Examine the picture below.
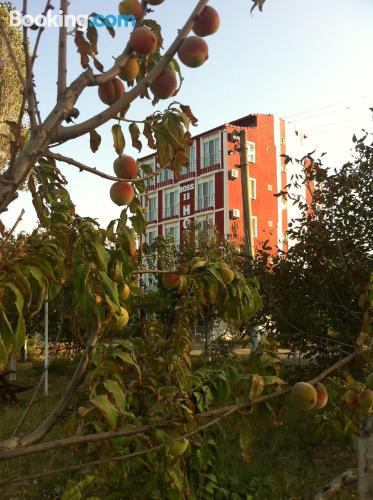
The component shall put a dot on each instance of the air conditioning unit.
(234, 213)
(269, 187)
(233, 174)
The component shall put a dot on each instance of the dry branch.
(345, 479)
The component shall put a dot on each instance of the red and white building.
(210, 188)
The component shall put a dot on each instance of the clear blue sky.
(296, 56)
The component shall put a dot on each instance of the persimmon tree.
(142, 408)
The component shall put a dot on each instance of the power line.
(347, 108)
(328, 106)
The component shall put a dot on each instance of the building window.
(253, 188)
(254, 221)
(171, 232)
(151, 214)
(211, 151)
(270, 223)
(206, 224)
(205, 194)
(282, 141)
(251, 152)
(165, 175)
(269, 187)
(149, 183)
(171, 203)
(192, 161)
(283, 167)
(151, 235)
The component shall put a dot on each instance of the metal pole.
(46, 345)
(246, 196)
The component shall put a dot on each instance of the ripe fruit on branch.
(119, 321)
(171, 280)
(130, 70)
(125, 167)
(143, 41)
(322, 395)
(155, 2)
(124, 292)
(365, 398)
(130, 7)
(111, 91)
(165, 85)
(122, 193)
(193, 52)
(304, 395)
(351, 398)
(226, 273)
(207, 23)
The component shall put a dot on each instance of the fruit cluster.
(193, 52)
(361, 401)
(122, 192)
(307, 397)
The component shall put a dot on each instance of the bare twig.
(48, 6)
(345, 479)
(12, 230)
(86, 168)
(62, 52)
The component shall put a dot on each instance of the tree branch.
(48, 6)
(14, 452)
(5, 241)
(86, 168)
(336, 485)
(67, 133)
(62, 52)
(43, 429)
(119, 458)
(40, 139)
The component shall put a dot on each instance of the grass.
(287, 462)
(29, 373)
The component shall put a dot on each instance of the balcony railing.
(171, 211)
(211, 161)
(206, 202)
(189, 171)
(151, 215)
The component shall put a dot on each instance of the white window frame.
(251, 151)
(205, 218)
(176, 227)
(192, 161)
(205, 180)
(253, 188)
(177, 204)
(209, 138)
(149, 182)
(165, 175)
(254, 220)
(148, 213)
(148, 232)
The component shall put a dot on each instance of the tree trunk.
(366, 460)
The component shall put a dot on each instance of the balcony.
(211, 162)
(205, 203)
(171, 211)
(151, 216)
(188, 172)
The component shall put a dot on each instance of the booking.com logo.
(81, 22)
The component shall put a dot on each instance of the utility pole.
(246, 196)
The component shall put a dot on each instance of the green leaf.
(118, 137)
(102, 255)
(115, 389)
(110, 287)
(246, 439)
(20, 333)
(107, 409)
(128, 359)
